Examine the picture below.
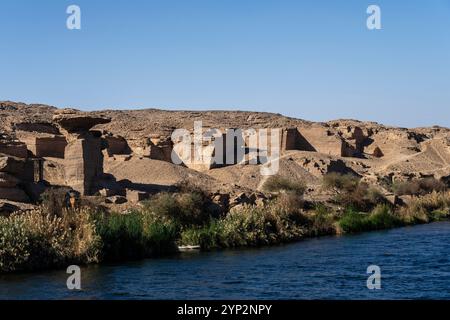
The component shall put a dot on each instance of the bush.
(374, 197)
(430, 207)
(419, 187)
(351, 193)
(380, 218)
(340, 182)
(247, 227)
(353, 221)
(254, 226)
(280, 184)
(189, 186)
(207, 237)
(38, 240)
(429, 185)
(163, 206)
(122, 235)
(287, 203)
(54, 200)
(184, 209)
(14, 244)
(322, 222)
(134, 235)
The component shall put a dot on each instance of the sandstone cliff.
(127, 154)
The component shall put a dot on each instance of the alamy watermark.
(374, 20)
(214, 147)
(73, 21)
(374, 280)
(74, 280)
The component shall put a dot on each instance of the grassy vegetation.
(351, 193)
(418, 187)
(55, 236)
(39, 240)
(134, 235)
(382, 217)
(280, 184)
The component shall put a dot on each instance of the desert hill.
(124, 156)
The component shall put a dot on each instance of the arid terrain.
(122, 157)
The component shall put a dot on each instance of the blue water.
(414, 262)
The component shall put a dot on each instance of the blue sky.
(308, 59)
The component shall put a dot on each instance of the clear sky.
(308, 59)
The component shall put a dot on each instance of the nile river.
(414, 263)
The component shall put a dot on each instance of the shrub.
(353, 221)
(14, 244)
(192, 208)
(279, 184)
(406, 188)
(163, 205)
(429, 185)
(374, 197)
(322, 222)
(430, 207)
(352, 193)
(38, 239)
(419, 187)
(287, 203)
(340, 182)
(382, 217)
(54, 200)
(190, 186)
(207, 237)
(246, 227)
(121, 235)
(184, 209)
(255, 226)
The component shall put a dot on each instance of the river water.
(414, 263)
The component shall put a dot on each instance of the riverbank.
(414, 264)
(48, 238)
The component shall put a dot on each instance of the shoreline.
(105, 248)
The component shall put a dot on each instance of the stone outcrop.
(325, 140)
(45, 145)
(12, 169)
(83, 157)
(12, 147)
(14, 194)
(83, 163)
(8, 181)
(40, 146)
(75, 121)
(116, 145)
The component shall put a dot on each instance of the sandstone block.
(7, 180)
(116, 200)
(136, 196)
(11, 165)
(13, 194)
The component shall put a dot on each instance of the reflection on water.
(414, 261)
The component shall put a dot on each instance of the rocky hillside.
(124, 156)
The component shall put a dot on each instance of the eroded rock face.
(76, 121)
(7, 180)
(45, 145)
(324, 140)
(14, 194)
(11, 165)
(83, 163)
(59, 146)
(12, 147)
